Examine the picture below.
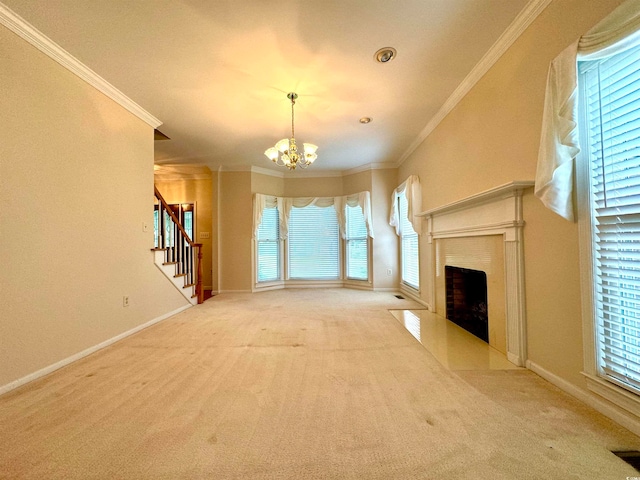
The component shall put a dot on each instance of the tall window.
(269, 246)
(356, 244)
(611, 108)
(314, 241)
(409, 263)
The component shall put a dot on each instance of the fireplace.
(483, 232)
(466, 295)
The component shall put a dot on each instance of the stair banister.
(181, 238)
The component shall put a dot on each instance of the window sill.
(613, 393)
(264, 286)
(409, 289)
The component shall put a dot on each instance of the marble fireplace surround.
(497, 211)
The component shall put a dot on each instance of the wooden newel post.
(199, 290)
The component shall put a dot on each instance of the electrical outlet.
(389, 272)
(125, 301)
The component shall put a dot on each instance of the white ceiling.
(216, 72)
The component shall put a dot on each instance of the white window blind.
(612, 108)
(357, 245)
(269, 246)
(409, 246)
(314, 243)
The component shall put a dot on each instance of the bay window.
(302, 239)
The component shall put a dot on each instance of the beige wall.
(200, 193)
(267, 184)
(236, 218)
(491, 138)
(76, 185)
(313, 187)
(385, 244)
(357, 182)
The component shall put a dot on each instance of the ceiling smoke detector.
(385, 54)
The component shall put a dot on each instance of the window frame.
(403, 282)
(597, 382)
(278, 241)
(346, 242)
(287, 249)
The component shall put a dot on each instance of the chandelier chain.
(293, 102)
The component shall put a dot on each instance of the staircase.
(176, 255)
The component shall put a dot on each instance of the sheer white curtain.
(559, 143)
(285, 204)
(411, 188)
(260, 202)
(362, 200)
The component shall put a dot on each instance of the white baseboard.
(235, 291)
(63, 363)
(267, 288)
(602, 406)
(358, 286)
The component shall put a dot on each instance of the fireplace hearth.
(466, 294)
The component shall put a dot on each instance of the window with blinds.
(356, 244)
(268, 241)
(314, 241)
(409, 265)
(611, 103)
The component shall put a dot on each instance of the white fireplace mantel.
(497, 211)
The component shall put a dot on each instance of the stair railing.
(179, 249)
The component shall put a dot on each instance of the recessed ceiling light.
(365, 120)
(385, 54)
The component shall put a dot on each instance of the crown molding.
(181, 172)
(283, 174)
(369, 167)
(267, 171)
(175, 177)
(314, 174)
(235, 168)
(23, 29)
(528, 14)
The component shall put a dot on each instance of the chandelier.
(285, 153)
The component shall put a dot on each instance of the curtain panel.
(559, 142)
(411, 188)
(285, 204)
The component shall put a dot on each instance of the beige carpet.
(296, 384)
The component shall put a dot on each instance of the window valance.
(559, 142)
(412, 191)
(285, 204)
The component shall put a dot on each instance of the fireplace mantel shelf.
(479, 198)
